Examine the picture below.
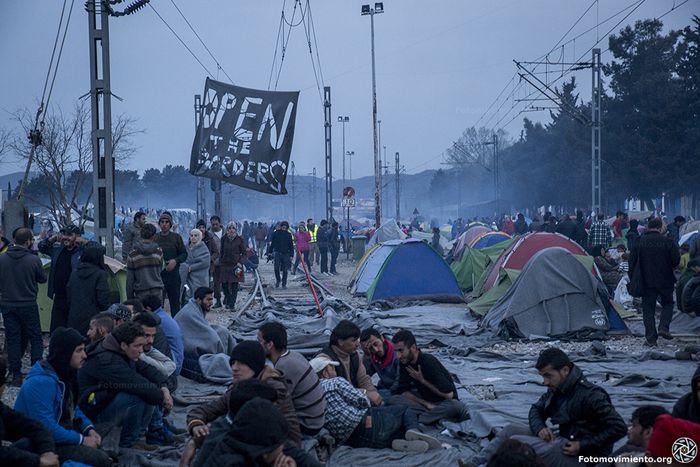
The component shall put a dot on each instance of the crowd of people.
(115, 366)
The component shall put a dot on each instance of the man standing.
(617, 224)
(132, 234)
(655, 258)
(599, 234)
(282, 247)
(567, 227)
(217, 231)
(333, 246)
(65, 250)
(20, 273)
(424, 384)
(174, 254)
(314, 253)
(50, 396)
(260, 236)
(302, 382)
(588, 422)
(322, 242)
(673, 230)
(144, 266)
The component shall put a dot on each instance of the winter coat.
(302, 240)
(88, 294)
(54, 250)
(323, 236)
(632, 239)
(568, 228)
(107, 372)
(214, 238)
(333, 242)
(41, 397)
(281, 243)
(14, 426)
(232, 253)
(213, 244)
(195, 271)
(143, 267)
(655, 256)
(20, 273)
(210, 411)
(688, 406)
(609, 272)
(132, 237)
(690, 298)
(583, 412)
(521, 227)
(260, 233)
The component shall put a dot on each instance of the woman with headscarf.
(195, 270)
(87, 289)
(231, 260)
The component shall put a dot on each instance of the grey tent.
(554, 295)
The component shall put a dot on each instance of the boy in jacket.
(49, 395)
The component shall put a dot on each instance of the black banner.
(245, 136)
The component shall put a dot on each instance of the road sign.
(348, 192)
(348, 202)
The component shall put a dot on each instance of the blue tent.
(411, 270)
(488, 239)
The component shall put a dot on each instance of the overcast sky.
(440, 64)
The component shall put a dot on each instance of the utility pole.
(201, 201)
(344, 120)
(494, 169)
(294, 196)
(596, 187)
(398, 189)
(350, 154)
(329, 151)
(313, 195)
(367, 10)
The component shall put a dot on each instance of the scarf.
(388, 355)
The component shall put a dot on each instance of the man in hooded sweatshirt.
(688, 406)
(50, 395)
(20, 273)
(144, 265)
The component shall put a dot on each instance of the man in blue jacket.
(49, 395)
(65, 250)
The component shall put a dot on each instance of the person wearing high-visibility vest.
(314, 252)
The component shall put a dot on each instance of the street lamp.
(343, 120)
(350, 154)
(367, 10)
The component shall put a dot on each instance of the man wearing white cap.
(351, 420)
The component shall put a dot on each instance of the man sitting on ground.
(342, 348)
(588, 422)
(640, 430)
(351, 420)
(381, 359)
(119, 312)
(100, 325)
(302, 383)
(113, 391)
(247, 362)
(201, 338)
(170, 328)
(15, 426)
(688, 406)
(424, 384)
(49, 394)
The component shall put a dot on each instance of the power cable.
(60, 52)
(209, 73)
(218, 65)
(313, 64)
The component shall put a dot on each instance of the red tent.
(520, 252)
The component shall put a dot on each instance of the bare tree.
(5, 137)
(64, 159)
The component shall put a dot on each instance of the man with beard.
(424, 384)
(132, 234)
(174, 254)
(100, 325)
(65, 251)
(381, 359)
(50, 395)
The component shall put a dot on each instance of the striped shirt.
(305, 389)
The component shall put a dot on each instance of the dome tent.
(487, 239)
(406, 270)
(474, 262)
(567, 303)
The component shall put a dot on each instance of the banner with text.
(245, 136)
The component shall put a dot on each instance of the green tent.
(506, 277)
(474, 262)
(116, 277)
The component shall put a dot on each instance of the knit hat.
(260, 426)
(119, 311)
(167, 216)
(250, 353)
(201, 222)
(667, 440)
